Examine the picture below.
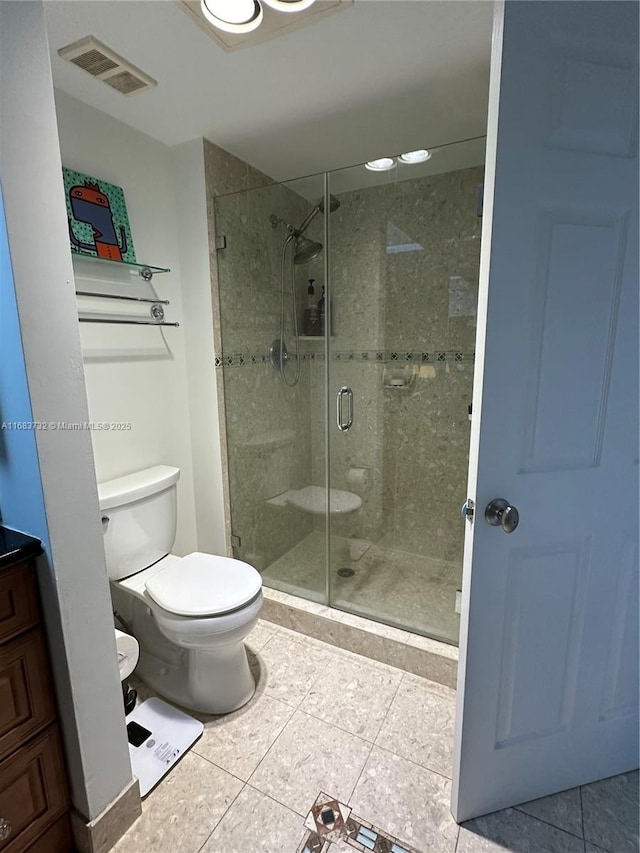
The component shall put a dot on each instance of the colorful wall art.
(98, 220)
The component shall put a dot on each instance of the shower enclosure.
(348, 450)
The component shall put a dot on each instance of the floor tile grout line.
(357, 782)
(222, 816)
(338, 726)
(353, 790)
(393, 699)
(415, 763)
(537, 820)
(584, 836)
(334, 726)
(351, 734)
(218, 767)
(295, 708)
(331, 725)
(546, 822)
(276, 800)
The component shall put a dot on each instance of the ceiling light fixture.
(383, 164)
(233, 16)
(419, 156)
(289, 5)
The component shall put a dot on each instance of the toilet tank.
(138, 519)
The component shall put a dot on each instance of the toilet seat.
(204, 585)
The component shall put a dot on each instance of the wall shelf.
(104, 268)
(117, 273)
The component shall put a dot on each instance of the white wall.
(137, 375)
(72, 576)
(190, 190)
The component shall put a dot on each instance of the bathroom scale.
(159, 735)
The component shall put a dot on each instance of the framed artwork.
(98, 220)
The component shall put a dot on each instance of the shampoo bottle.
(322, 314)
(311, 323)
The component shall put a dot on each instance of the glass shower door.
(272, 370)
(347, 415)
(403, 273)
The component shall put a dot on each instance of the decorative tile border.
(330, 820)
(249, 359)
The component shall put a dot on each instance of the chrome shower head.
(334, 204)
(305, 250)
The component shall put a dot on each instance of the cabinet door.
(33, 792)
(19, 609)
(26, 692)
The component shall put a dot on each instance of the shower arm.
(307, 222)
(295, 232)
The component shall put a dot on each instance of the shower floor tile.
(418, 592)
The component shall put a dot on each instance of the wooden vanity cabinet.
(34, 797)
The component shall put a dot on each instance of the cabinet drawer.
(19, 609)
(33, 792)
(26, 693)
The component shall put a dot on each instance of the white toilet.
(189, 614)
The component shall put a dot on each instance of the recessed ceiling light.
(233, 16)
(383, 164)
(289, 5)
(419, 156)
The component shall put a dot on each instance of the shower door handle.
(344, 424)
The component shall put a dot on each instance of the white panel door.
(548, 676)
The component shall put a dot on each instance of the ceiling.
(381, 77)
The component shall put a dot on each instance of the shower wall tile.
(267, 424)
(413, 439)
(426, 463)
(223, 173)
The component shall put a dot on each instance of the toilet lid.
(204, 585)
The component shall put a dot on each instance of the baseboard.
(102, 833)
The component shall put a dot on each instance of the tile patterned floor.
(374, 737)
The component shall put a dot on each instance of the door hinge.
(221, 242)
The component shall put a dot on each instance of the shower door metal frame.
(327, 393)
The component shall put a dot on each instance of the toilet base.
(217, 682)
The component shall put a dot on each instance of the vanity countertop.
(15, 546)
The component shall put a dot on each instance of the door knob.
(500, 514)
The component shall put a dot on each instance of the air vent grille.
(125, 82)
(94, 62)
(105, 64)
